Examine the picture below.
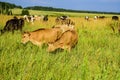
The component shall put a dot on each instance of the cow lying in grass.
(67, 40)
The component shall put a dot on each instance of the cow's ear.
(53, 26)
(29, 34)
(26, 32)
(50, 44)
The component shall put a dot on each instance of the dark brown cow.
(101, 17)
(13, 24)
(45, 18)
(115, 18)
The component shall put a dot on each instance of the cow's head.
(25, 37)
(51, 48)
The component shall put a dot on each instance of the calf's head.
(25, 37)
(51, 48)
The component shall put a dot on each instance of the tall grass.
(95, 57)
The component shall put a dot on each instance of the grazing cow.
(64, 27)
(58, 20)
(13, 24)
(61, 19)
(68, 40)
(101, 17)
(87, 18)
(64, 17)
(115, 18)
(29, 18)
(38, 17)
(43, 35)
(64, 21)
(67, 22)
(45, 18)
(95, 17)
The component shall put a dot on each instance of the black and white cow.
(87, 18)
(29, 18)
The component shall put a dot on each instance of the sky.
(91, 5)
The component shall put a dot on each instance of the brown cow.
(40, 36)
(67, 40)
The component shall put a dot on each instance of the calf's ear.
(29, 34)
(26, 32)
(50, 44)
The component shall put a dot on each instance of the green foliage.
(5, 7)
(96, 57)
(25, 12)
(10, 12)
(9, 5)
(66, 10)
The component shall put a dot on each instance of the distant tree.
(25, 12)
(5, 7)
(10, 12)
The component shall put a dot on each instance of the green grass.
(96, 57)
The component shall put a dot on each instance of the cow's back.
(68, 38)
(46, 35)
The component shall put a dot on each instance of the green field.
(95, 57)
(54, 13)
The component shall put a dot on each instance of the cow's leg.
(113, 29)
(119, 29)
(12, 29)
(20, 29)
(68, 48)
(2, 31)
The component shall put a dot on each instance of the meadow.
(95, 57)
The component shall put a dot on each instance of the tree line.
(5, 8)
(67, 10)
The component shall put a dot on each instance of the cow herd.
(87, 18)
(32, 18)
(62, 35)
